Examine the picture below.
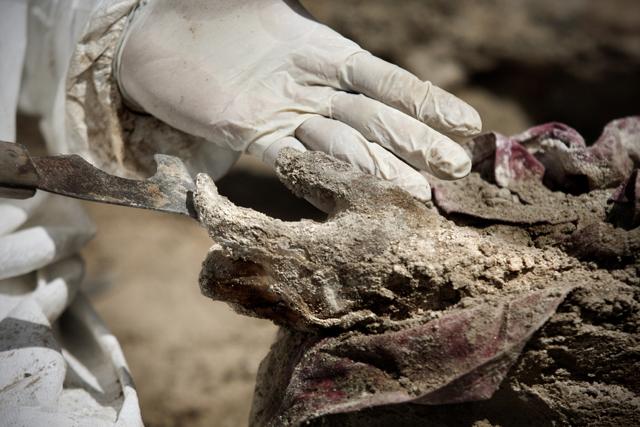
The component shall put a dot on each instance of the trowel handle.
(18, 176)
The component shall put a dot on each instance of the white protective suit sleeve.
(107, 133)
(13, 42)
(60, 365)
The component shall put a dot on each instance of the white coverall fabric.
(13, 41)
(60, 365)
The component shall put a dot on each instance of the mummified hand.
(260, 75)
(380, 257)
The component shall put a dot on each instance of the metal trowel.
(170, 189)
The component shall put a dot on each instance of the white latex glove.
(40, 231)
(55, 372)
(259, 75)
(59, 373)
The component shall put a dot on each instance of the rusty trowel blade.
(170, 189)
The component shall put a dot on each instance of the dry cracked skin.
(515, 300)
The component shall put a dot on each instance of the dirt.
(364, 297)
(566, 375)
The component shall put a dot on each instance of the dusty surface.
(388, 302)
(380, 259)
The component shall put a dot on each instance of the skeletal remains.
(514, 300)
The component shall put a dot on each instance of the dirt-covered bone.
(381, 257)
(390, 302)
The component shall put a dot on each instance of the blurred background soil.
(519, 62)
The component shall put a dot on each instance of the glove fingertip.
(271, 154)
(472, 124)
(457, 116)
(448, 160)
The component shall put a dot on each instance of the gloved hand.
(39, 241)
(260, 75)
(52, 370)
(38, 232)
(39, 277)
